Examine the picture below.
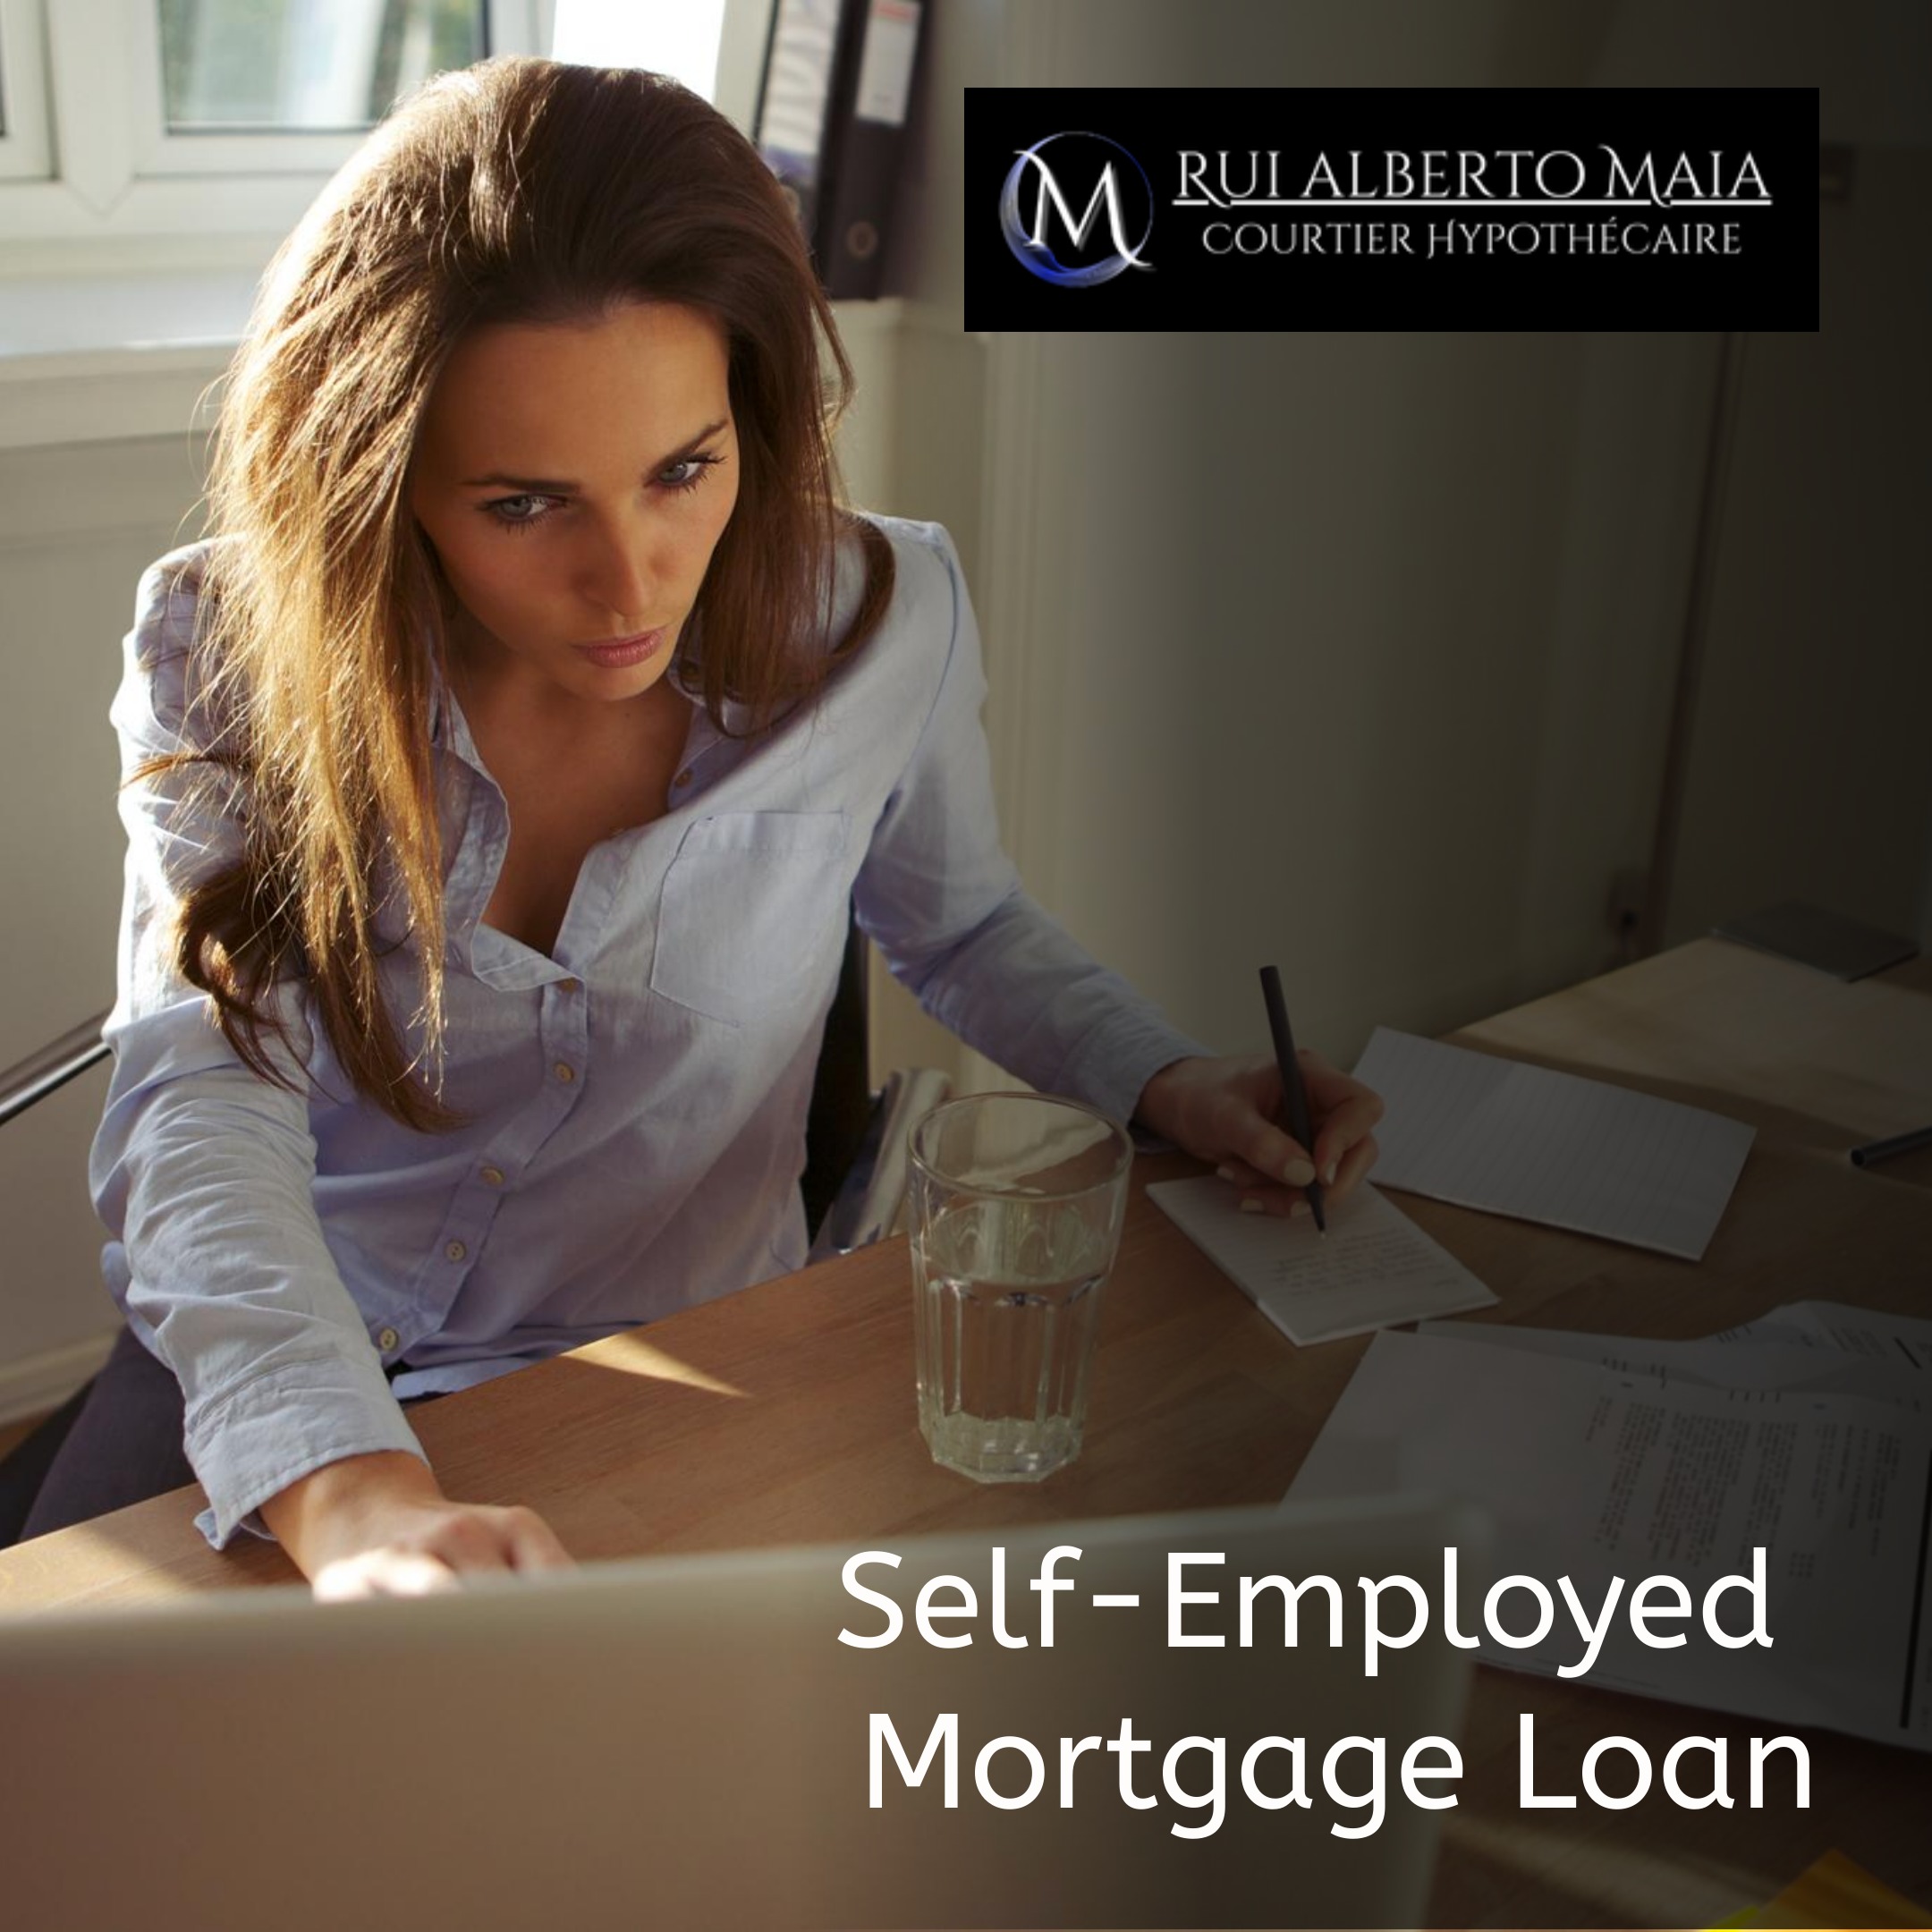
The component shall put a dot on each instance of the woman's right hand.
(380, 1525)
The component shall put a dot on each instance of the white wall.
(935, 404)
(1351, 652)
(1870, 59)
(1809, 777)
(1809, 773)
(78, 524)
(1358, 652)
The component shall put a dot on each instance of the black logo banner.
(1295, 208)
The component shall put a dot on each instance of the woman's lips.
(615, 653)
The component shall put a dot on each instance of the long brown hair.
(516, 190)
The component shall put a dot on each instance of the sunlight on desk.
(111, 1553)
(637, 1356)
(86, 1568)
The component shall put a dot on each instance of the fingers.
(383, 1573)
(1239, 1174)
(1258, 1194)
(1231, 1110)
(1339, 1134)
(1292, 1203)
(1356, 1163)
(1345, 1112)
(533, 1543)
(1271, 1154)
(1348, 1112)
(1285, 1204)
(483, 1538)
(460, 1540)
(1223, 1110)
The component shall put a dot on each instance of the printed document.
(1903, 1339)
(1716, 1361)
(1595, 1473)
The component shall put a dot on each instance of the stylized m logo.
(1111, 192)
(1107, 190)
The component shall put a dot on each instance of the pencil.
(1294, 1089)
(1878, 1150)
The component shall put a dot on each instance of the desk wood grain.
(784, 1414)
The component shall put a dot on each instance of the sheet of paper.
(1715, 1361)
(1594, 1473)
(1373, 1267)
(1516, 1140)
(1852, 1330)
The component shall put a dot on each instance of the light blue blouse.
(635, 1105)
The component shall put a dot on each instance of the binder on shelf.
(831, 125)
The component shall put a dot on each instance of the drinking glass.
(1016, 1208)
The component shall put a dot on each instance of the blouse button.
(684, 778)
(568, 986)
(388, 1340)
(564, 1071)
(455, 1251)
(494, 1176)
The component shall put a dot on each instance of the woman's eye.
(527, 510)
(688, 474)
(519, 512)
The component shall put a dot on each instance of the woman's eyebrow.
(558, 486)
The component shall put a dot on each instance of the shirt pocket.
(753, 916)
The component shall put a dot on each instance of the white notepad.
(1515, 1139)
(1374, 1267)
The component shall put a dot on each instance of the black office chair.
(842, 1095)
(853, 1184)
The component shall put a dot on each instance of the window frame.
(25, 152)
(115, 175)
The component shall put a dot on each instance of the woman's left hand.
(1224, 1111)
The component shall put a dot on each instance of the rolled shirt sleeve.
(945, 906)
(202, 1172)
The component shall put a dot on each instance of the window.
(184, 133)
(274, 87)
(230, 65)
(192, 119)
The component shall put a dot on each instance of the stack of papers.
(1808, 1434)
(1516, 1140)
(1374, 1267)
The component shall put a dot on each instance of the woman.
(498, 781)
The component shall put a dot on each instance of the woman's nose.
(620, 580)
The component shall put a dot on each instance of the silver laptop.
(685, 1742)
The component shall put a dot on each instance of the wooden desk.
(785, 1415)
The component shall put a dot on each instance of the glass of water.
(1016, 1208)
